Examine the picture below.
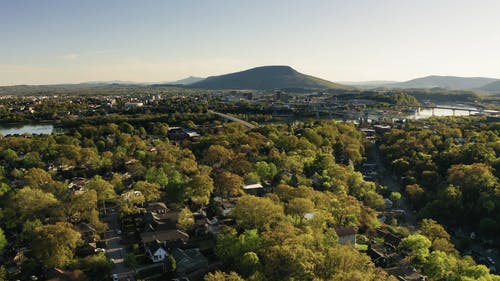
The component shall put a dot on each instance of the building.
(254, 189)
(189, 260)
(129, 105)
(347, 235)
(156, 252)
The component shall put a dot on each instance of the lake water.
(26, 129)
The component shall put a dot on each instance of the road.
(114, 249)
(234, 119)
(388, 179)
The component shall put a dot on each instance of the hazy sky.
(49, 41)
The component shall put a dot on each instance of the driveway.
(114, 249)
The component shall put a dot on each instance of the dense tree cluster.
(287, 234)
(451, 168)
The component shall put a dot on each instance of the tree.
(3, 273)
(298, 207)
(157, 175)
(199, 188)
(30, 203)
(440, 266)
(3, 241)
(105, 190)
(150, 191)
(80, 206)
(395, 197)
(250, 241)
(217, 156)
(131, 260)
(228, 246)
(290, 262)
(433, 230)
(256, 212)
(415, 193)
(437, 234)
(248, 264)
(98, 267)
(54, 244)
(266, 171)
(170, 264)
(222, 276)
(40, 179)
(185, 221)
(130, 202)
(227, 183)
(417, 246)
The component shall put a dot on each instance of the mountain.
(104, 83)
(491, 87)
(186, 81)
(448, 82)
(265, 78)
(367, 83)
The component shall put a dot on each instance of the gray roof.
(162, 236)
(189, 260)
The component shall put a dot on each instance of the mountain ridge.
(492, 87)
(265, 78)
(447, 82)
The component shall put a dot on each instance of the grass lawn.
(362, 247)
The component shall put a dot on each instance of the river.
(6, 130)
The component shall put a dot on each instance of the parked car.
(100, 250)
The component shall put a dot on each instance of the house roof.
(389, 238)
(189, 260)
(57, 274)
(169, 235)
(154, 246)
(253, 186)
(156, 206)
(83, 227)
(164, 221)
(344, 230)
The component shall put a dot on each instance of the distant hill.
(492, 87)
(265, 78)
(447, 82)
(186, 81)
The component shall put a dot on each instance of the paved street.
(391, 181)
(114, 249)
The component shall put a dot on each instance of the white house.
(156, 252)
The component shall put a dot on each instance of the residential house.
(346, 234)
(179, 134)
(170, 238)
(76, 185)
(254, 189)
(390, 239)
(160, 231)
(189, 260)
(156, 252)
(87, 232)
(57, 274)
(157, 207)
(200, 223)
(378, 257)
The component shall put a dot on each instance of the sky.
(68, 41)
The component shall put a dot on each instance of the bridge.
(234, 119)
(470, 110)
